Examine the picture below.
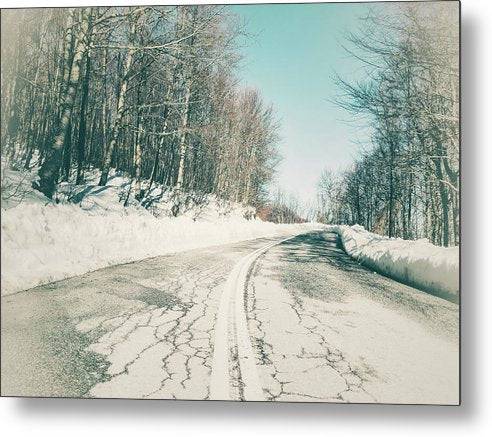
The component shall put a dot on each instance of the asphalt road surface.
(269, 319)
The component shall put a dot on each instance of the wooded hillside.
(150, 91)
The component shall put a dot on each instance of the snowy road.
(259, 320)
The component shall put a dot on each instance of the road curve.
(293, 320)
(327, 329)
(232, 314)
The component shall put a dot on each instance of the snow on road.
(42, 244)
(231, 331)
(321, 327)
(326, 329)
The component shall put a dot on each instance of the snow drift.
(414, 262)
(44, 242)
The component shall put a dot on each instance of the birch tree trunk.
(121, 100)
(83, 117)
(182, 140)
(49, 171)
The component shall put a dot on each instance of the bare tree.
(148, 91)
(411, 97)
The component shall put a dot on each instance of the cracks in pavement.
(309, 257)
(162, 351)
(290, 375)
(323, 334)
(192, 345)
(236, 383)
(320, 331)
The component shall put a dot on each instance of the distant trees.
(146, 90)
(282, 208)
(407, 183)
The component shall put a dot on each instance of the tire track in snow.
(232, 304)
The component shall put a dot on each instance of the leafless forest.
(149, 91)
(153, 92)
(406, 183)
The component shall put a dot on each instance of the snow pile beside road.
(417, 262)
(46, 243)
(89, 228)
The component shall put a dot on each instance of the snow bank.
(46, 243)
(89, 227)
(417, 262)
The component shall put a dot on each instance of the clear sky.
(291, 58)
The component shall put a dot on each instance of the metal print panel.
(231, 202)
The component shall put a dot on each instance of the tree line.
(405, 183)
(150, 91)
(282, 207)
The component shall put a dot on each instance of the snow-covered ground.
(90, 228)
(418, 263)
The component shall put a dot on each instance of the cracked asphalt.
(322, 328)
(328, 329)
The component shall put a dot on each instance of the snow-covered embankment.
(90, 228)
(46, 243)
(417, 262)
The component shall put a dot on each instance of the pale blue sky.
(291, 59)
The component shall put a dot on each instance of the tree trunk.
(83, 121)
(121, 103)
(49, 171)
(138, 163)
(67, 152)
(156, 165)
(182, 141)
(409, 232)
(13, 116)
(391, 219)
